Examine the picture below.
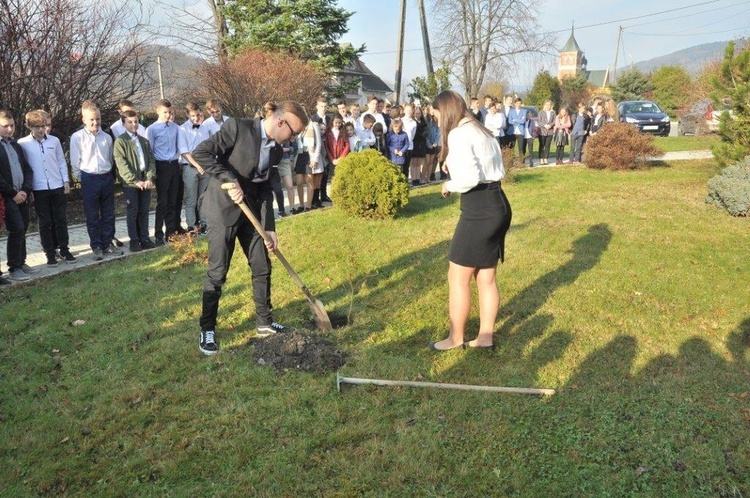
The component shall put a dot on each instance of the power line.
(636, 17)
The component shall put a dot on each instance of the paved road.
(79, 240)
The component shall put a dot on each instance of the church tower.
(572, 61)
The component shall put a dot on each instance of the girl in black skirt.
(475, 163)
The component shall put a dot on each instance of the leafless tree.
(199, 26)
(55, 54)
(482, 37)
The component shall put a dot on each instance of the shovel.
(317, 308)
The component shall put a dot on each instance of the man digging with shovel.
(242, 154)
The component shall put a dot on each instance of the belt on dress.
(486, 186)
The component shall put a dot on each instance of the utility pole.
(425, 39)
(400, 61)
(161, 83)
(617, 50)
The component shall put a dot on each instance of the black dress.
(420, 139)
(479, 240)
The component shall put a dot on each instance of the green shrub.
(730, 189)
(619, 146)
(368, 185)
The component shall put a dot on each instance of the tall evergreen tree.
(546, 87)
(309, 29)
(733, 83)
(631, 85)
(671, 86)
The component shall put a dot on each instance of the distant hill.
(692, 58)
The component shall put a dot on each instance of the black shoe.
(98, 255)
(282, 213)
(325, 198)
(159, 241)
(67, 257)
(117, 242)
(5, 281)
(273, 328)
(204, 230)
(147, 244)
(51, 260)
(208, 345)
(135, 246)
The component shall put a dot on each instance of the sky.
(689, 23)
(651, 29)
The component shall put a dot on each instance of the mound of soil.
(298, 351)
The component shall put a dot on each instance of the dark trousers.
(98, 192)
(278, 192)
(521, 144)
(560, 153)
(576, 148)
(528, 146)
(545, 144)
(16, 223)
(168, 180)
(221, 241)
(324, 180)
(51, 208)
(139, 202)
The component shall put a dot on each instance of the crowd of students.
(144, 159)
(517, 126)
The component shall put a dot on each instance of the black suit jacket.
(6, 176)
(232, 154)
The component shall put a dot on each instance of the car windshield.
(642, 108)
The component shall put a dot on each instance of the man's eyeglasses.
(291, 130)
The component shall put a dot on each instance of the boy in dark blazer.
(242, 154)
(16, 184)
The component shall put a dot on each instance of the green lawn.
(679, 144)
(623, 291)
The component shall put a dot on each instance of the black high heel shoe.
(491, 347)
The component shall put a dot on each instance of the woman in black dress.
(475, 163)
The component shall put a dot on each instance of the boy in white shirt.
(45, 155)
(192, 132)
(217, 118)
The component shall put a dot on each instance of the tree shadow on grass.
(679, 422)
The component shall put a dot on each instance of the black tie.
(196, 126)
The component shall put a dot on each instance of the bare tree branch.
(483, 37)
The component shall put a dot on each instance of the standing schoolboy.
(163, 137)
(16, 184)
(91, 160)
(118, 127)
(216, 118)
(137, 170)
(191, 133)
(45, 156)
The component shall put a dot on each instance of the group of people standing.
(144, 159)
(517, 126)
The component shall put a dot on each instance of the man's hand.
(20, 197)
(148, 185)
(66, 188)
(234, 191)
(273, 243)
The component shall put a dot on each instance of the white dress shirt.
(118, 129)
(473, 157)
(410, 127)
(47, 160)
(212, 126)
(90, 153)
(495, 123)
(190, 137)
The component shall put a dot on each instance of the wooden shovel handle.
(267, 238)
